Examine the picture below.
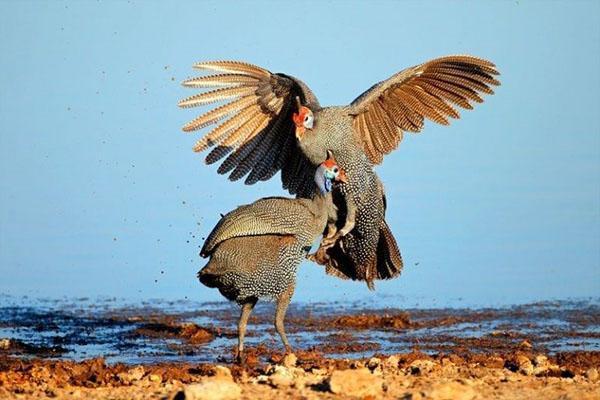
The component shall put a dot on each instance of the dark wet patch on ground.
(194, 332)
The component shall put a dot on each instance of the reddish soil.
(407, 376)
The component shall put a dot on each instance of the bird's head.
(303, 119)
(328, 172)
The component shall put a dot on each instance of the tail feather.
(389, 260)
(387, 263)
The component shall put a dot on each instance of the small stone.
(508, 377)
(355, 382)
(543, 366)
(525, 344)
(391, 362)
(540, 360)
(282, 377)
(4, 344)
(131, 375)
(222, 372)
(592, 375)
(289, 360)
(451, 390)
(373, 363)
(155, 378)
(525, 365)
(319, 371)
(211, 389)
(419, 367)
(494, 361)
(412, 396)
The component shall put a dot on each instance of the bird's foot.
(320, 256)
(329, 242)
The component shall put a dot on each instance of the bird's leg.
(331, 229)
(245, 314)
(328, 242)
(283, 301)
(320, 256)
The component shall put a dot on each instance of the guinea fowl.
(255, 250)
(273, 122)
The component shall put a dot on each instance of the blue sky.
(101, 194)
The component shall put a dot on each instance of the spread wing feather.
(253, 126)
(430, 90)
(263, 217)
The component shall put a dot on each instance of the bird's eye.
(308, 121)
(335, 170)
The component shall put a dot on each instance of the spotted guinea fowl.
(255, 250)
(272, 121)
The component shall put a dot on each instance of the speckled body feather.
(255, 250)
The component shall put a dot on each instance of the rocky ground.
(410, 376)
(184, 351)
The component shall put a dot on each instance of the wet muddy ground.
(155, 349)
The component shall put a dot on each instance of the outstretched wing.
(263, 217)
(400, 103)
(252, 124)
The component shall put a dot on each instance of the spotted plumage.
(255, 249)
(273, 122)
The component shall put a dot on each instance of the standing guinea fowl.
(255, 250)
(274, 122)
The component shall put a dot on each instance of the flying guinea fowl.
(272, 122)
(255, 250)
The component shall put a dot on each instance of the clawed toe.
(329, 242)
(320, 256)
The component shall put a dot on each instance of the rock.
(525, 344)
(544, 367)
(155, 378)
(451, 391)
(524, 364)
(412, 396)
(419, 367)
(289, 360)
(210, 389)
(448, 366)
(40, 373)
(509, 377)
(282, 377)
(355, 382)
(495, 361)
(391, 362)
(357, 364)
(222, 372)
(373, 363)
(4, 344)
(540, 360)
(131, 375)
(592, 375)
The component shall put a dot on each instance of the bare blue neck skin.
(323, 179)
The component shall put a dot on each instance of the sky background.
(101, 194)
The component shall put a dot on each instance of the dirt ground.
(535, 351)
(410, 376)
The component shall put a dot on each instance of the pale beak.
(309, 124)
(299, 132)
(342, 176)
